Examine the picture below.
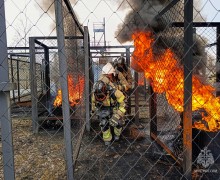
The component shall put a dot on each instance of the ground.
(135, 156)
(41, 156)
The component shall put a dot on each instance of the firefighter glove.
(121, 87)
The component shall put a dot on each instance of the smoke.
(143, 17)
(48, 5)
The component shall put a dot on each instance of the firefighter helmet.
(100, 90)
(121, 60)
(119, 64)
(108, 69)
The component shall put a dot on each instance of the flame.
(141, 81)
(167, 77)
(75, 92)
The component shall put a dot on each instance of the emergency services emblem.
(205, 158)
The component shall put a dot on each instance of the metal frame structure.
(153, 105)
(5, 113)
(33, 41)
(187, 114)
(5, 86)
(11, 58)
(32, 48)
(64, 88)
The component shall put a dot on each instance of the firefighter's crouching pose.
(109, 104)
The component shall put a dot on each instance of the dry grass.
(38, 156)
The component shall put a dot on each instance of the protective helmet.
(118, 61)
(108, 69)
(100, 90)
(119, 64)
(121, 60)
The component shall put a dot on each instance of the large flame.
(167, 77)
(75, 92)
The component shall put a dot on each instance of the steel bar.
(47, 76)
(197, 24)
(5, 113)
(106, 47)
(64, 88)
(153, 111)
(104, 56)
(106, 52)
(128, 61)
(136, 94)
(69, 7)
(218, 60)
(12, 77)
(18, 82)
(23, 54)
(33, 82)
(166, 148)
(55, 37)
(87, 78)
(40, 44)
(188, 67)
(166, 9)
(22, 60)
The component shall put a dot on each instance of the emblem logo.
(205, 158)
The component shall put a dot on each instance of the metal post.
(145, 88)
(34, 98)
(12, 76)
(47, 76)
(5, 111)
(64, 88)
(153, 112)
(104, 33)
(87, 78)
(42, 76)
(129, 93)
(188, 66)
(136, 94)
(218, 61)
(18, 81)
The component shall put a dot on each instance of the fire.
(141, 81)
(75, 92)
(167, 77)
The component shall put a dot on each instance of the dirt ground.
(42, 155)
(135, 156)
(130, 158)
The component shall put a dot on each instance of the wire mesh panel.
(64, 126)
(19, 73)
(170, 105)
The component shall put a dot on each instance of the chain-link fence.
(162, 124)
(19, 74)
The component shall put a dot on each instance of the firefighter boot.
(107, 136)
(117, 132)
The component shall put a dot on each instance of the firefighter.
(123, 74)
(109, 104)
(123, 78)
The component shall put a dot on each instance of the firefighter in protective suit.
(123, 78)
(123, 74)
(109, 104)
